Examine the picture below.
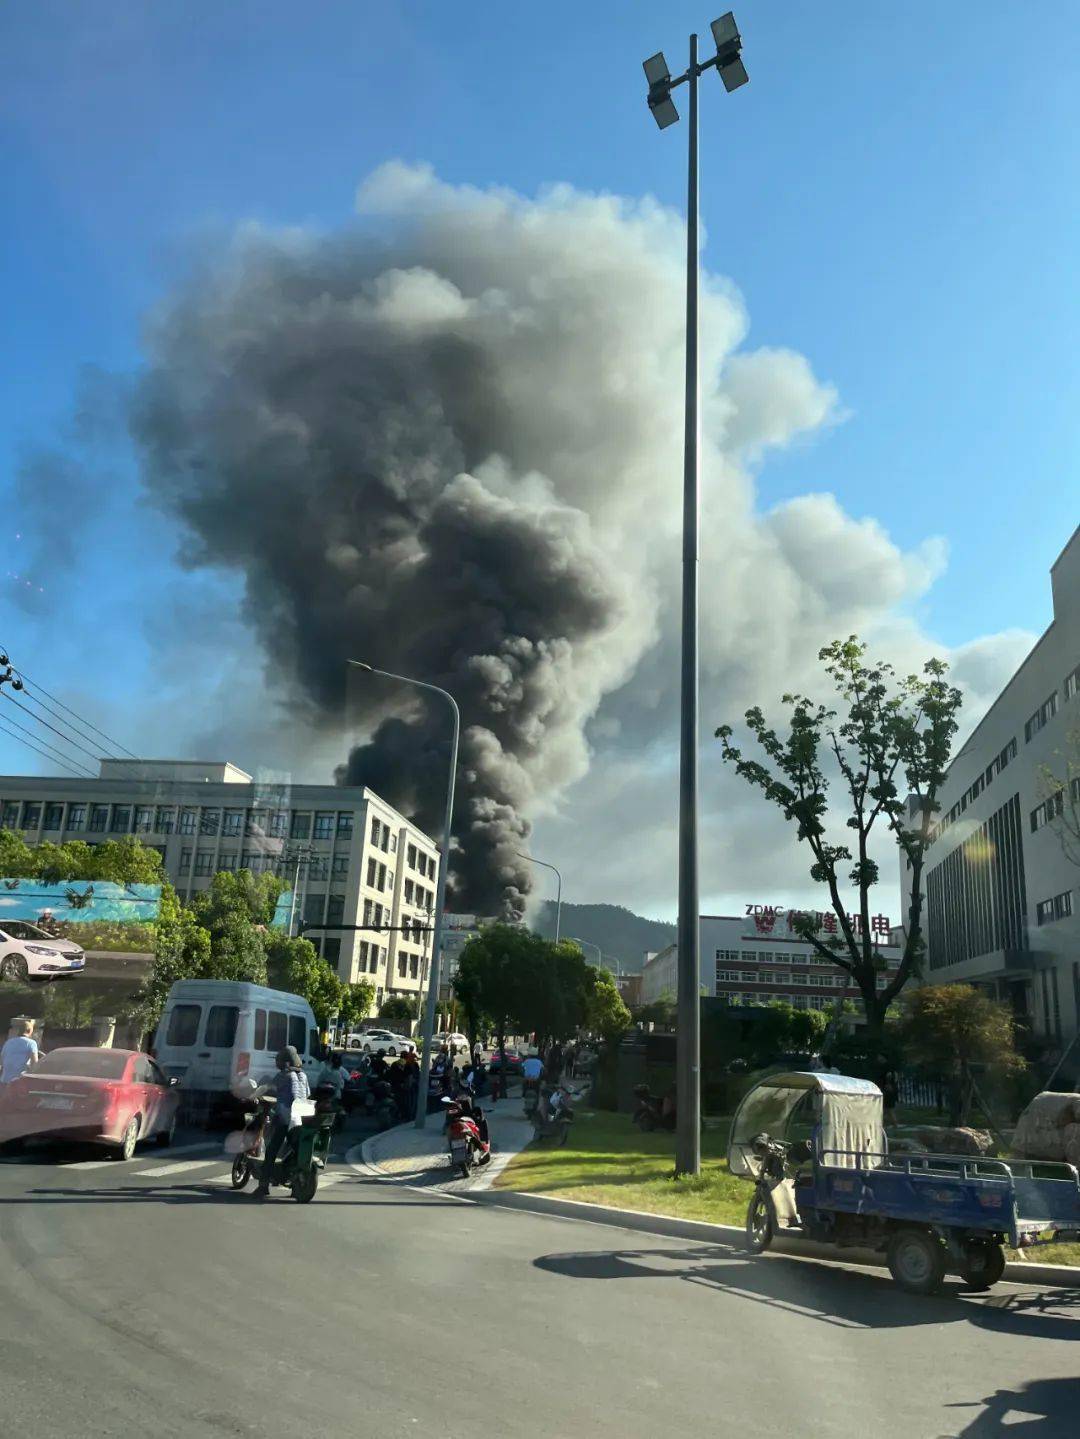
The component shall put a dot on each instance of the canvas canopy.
(849, 1111)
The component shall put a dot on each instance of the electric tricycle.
(815, 1146)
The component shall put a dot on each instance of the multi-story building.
(1001, 901)
(352, 858)
(757, 957)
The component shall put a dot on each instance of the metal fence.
(922, 1093)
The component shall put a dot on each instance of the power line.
(57, 716)
(56, 759)
(66, 738)
(42, 690)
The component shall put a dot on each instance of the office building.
(757, 957)
(352, 859)
(1001, 903)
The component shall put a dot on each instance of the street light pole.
(599, 951)
(558, 892)
(688, 1035)
(440, 889)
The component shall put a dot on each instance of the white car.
(381, 1041)
(27, 952)
(458, 1043)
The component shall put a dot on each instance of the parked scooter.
(553, 1116)
(653, 1111)
(464, 1138)
(304, 1152)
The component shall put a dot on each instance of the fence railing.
(921, 1093)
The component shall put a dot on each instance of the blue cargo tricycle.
(815, 1146)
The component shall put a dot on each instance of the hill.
(620, 933)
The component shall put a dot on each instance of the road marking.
(326, 1181)
(164, 1170)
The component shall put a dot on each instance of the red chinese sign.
(766, 917)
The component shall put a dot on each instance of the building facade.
(756, 957)
(350, 858)
(1001, 895)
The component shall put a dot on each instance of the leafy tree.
(886, 730)
(121, 861)
(295, 965)
(949, 1029)
(252, 897)
(181, 951)
(400, 1010)
(489, 979)
(604, 1011)
(356, 1002)
(662, 1011)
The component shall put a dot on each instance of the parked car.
(114, 1097)
(381, 1041)
(457, 1043)
(27, 952)
(216, 1032)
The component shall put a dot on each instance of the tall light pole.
(730, 68)
(599, 951)
(440, 889)
(558, 892)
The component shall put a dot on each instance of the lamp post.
(599, 951)
(729, 66)
(558, 892)
(440, 889)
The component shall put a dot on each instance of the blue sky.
(894, 194)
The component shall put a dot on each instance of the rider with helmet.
(289, 1085)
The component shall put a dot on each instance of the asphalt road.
(150, 1299)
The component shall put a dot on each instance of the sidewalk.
(419, 1156)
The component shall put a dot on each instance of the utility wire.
(42, 690)
(80, 773)
(66, 738)
(32, 697)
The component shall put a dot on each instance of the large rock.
(941, 1140)
(1071, 1134)
(1041, 1129)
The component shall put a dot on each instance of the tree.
(604, 1011)
(295, 965)
(181, 951)
(489, 979)
(886, 730)
(949, 1029)
(1059, 788)
(400, 1010)
(356, 1002)
(121, 861)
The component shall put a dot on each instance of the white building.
(756, 957)
(1001, 901)
(359, 862)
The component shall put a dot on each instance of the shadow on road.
(1044, 1406)
(846, 1298)
(194, 1192)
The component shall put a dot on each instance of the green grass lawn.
(607, 1160)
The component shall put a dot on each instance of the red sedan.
(114, 1097)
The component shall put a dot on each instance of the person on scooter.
(290, 1085)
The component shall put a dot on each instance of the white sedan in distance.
(381, 1041)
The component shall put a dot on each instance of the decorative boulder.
(1041, 1129)
(973, 1142)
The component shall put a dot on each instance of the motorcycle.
(651, 1112)
(386, 1111)
(466, 1146)
(553, 1119)
(301, 1157)
(776, 1158)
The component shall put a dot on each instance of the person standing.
(20, 1051)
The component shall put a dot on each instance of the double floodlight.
(728, 63)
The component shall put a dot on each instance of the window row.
(371, 956)
(1041, 718)
(1059, 907)
(1072, 683)
(418, 895)
(378, 876)
(170, 819)
(382, 837)
(993, 769)
(1049, 810)
(408, 965)
(417, 859)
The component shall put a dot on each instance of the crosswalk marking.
(326, 1181)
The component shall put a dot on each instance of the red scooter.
(466, 1135)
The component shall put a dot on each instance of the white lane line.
(163, 1171)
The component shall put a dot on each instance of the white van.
(214, 1032)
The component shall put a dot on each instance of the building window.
(409, 895)
(99, 818)
(340, 867)
(144, 818)
(345, 824)
(324, 826)
(414, 966)
(209, 823)
(401, 965)
(372, 873)
(204, 862)
(1049, 810)
(121, 819)
(1072, 683)
(233, 823)
(228, 861)
(798, 979)
(314, 904)
(31, 815)
(332, 952)
(317, 867)
(188, 822)
(165, 819)
(375, 827)
(1060, 907)
(393, 844)
(11, 814)
(727, 976)
(367, 911)
(76, 819)
(335, 909)
(301, 825)
(765, 957)
(382, 876)
(384, 842)
(185, 861)
(254, 822)
(748, 976)
(279, 821)
(410, 856)
(976, 897)
(54, 816)
(380, 915)
(1042, 717)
